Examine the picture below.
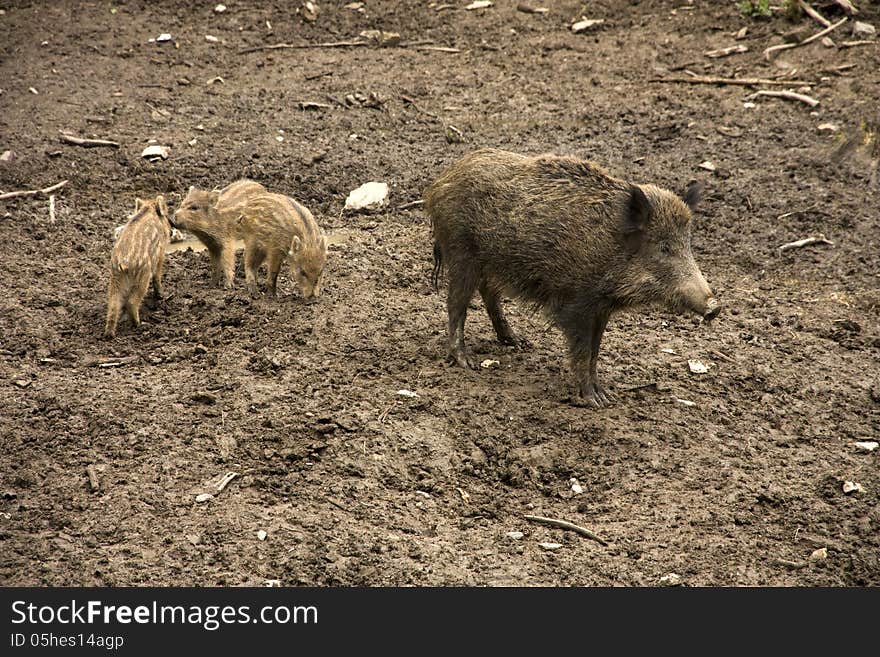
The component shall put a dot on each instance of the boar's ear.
(161, 207)
(213, 197)
(693, 194)
(638, 213)
(138, 203)
(295, 245)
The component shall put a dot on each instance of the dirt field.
(353, 483)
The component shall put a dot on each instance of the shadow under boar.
(138, 257)
(562, 234)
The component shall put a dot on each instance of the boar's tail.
(438, 264)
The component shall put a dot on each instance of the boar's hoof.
(594, 396)
(517, 342)
(462, 359)
(712, 310)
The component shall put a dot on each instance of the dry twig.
(300, 46)
(812, 13)
(745, 82)
(564, 524)
(411, 204)
(33, 192)
(87, 143)
(93, 478)
(788, 95)
(724, 52)
(52, 208)
(818, 239)
(853, 44)
(818, 35)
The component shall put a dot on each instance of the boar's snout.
(698, 298)
(713, 307)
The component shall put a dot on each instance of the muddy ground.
(353, 483)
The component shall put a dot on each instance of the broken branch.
(812, 13)
(33, 192)
(818, 35)
(724, 52)
(745, 82)
(564, 524)
(87, 143)
(789, 95)
(818, 239)
(411, 204)
(52, 208)
(93, 478)
(292, 46)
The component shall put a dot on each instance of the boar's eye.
(194, 208)
(302, 272)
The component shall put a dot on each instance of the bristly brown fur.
(561, 234)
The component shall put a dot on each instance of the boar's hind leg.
(499, 322)
(462, 283)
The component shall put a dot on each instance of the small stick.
(418, 108)
(87, 143)
(224, 480)
(746, 82)
(438, 49)
(291, 46)
(411, 204)
(847, 6)
(33, 192)
(812, 13)
(52, 208)
(794, 565)
(564, 524)
(789, 95)
(818, 35)
(807, 241)
(852, 44)
(315, 76)
(93, 478)
(724, 52)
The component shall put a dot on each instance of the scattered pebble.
(486, 364)
(818, 555)
(668, 351)
(407, 393)
(672, 579)
(369, 196)
(211, 39)
(749, 105)
(867, 445)
(272, 582)
(685, 402)
(33, 91)
(163, 37)
(480, 4)
(261, 535)
(155, 152)
(707, 165)
(697, 367)
(219, 9)
(865, 30)
(827, 127)
(203, 497)
(7, 156)
(576, 487)
(586, 24)
(852, 487)
(515, 535)
(310, 11)
(550, 546)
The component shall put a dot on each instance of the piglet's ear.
(213, 197)
(295, 245)
(161, 207)
(138, 204)
(693, 195)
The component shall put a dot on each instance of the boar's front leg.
(584, 333)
